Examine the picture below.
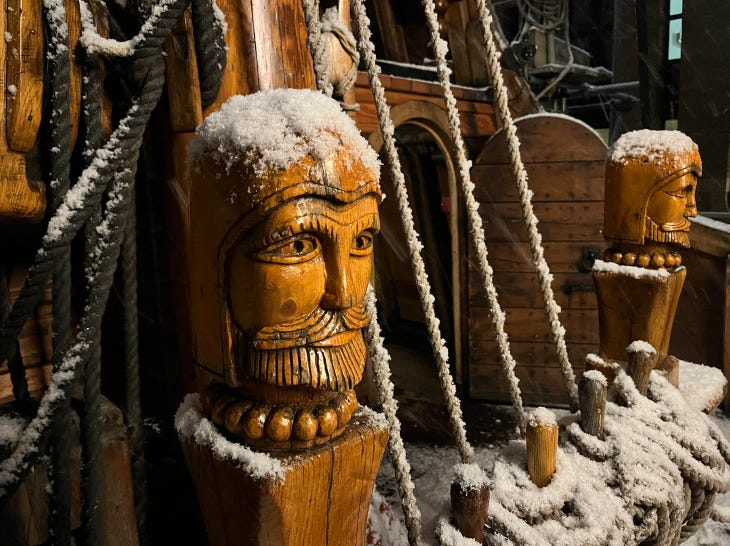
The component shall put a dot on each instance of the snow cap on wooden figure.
(651, 177)
(284, 209)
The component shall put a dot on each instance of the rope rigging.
(108, 175)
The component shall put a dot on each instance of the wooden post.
(642, 358)
(312, 498)
(592, 393)
(470, 501)
(669, 367)
(542, 446)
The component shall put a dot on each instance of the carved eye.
(362, 244)
(301, 248)
(681, 192)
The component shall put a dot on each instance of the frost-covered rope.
(316, 44)
(58, 176)
(440, 351)
(474, 218)
(518, 170)
(119, 154)
(209, 28)
(380, 360)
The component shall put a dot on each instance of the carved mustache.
(313, 328)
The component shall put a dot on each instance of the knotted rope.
(317, 46)
(331, 23)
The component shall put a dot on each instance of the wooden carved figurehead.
(282, 251)
(651, 179)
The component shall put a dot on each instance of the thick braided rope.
(59, 144)
(131, 367)
(380, 360)
(316, 45)
(334, 25)
(440, 352)
(210, 48)
(73, 212)
(518, 170)
(474, 218)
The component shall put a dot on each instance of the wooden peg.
(642, 358)
(542, 446)
(592, 394)
(470, 501)
(669, 367)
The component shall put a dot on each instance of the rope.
(209, 28)
(548, 15)
(316, 45)
(131, 366)
(367, 50)
(57, 53)
(518, 170)
(117, 156)
(333, 24)
(476, 228)
(380, 360)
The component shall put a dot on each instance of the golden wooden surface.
(24, 65)
(567, 182)
(322, 499)
(542, 446)
(592, 395)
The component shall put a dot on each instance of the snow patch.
(595, 375)
(542, 417)
(653, 145)
(640, 346)
(599, 266)
(190, 423)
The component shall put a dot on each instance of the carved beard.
(679, 235)
(324, 350)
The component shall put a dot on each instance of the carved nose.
(338, 286)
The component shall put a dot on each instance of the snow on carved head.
(654, 145)
(276, 128)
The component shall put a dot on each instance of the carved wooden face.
(669, 210)
(296, 283)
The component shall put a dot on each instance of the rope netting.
(100, 202)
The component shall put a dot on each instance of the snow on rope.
(652, 480)
(380, 360)
(438, 345)
(440, 49)
(518, 170)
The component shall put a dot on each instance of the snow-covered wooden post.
(283, 213)
(542, 446)
(642, 359)
(470, 501)
(651, 178)
(592, 393)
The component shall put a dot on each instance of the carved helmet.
(641, 163)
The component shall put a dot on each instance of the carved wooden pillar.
(651, 178)
(283, 210)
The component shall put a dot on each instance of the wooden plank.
(558, 221)
(538, 137)
(572, 290)
(538, 385)
(24, 65)
(709, 240)
(38, 378)
(538, 354)
(562, 257)
(581, 325)
(390, 31)
(181, 67)
(73, 20)
(578, 181)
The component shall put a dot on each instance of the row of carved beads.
(655, 260)
(255, 421)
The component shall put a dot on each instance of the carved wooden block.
(321, 498)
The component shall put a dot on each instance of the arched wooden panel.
(565, 160)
